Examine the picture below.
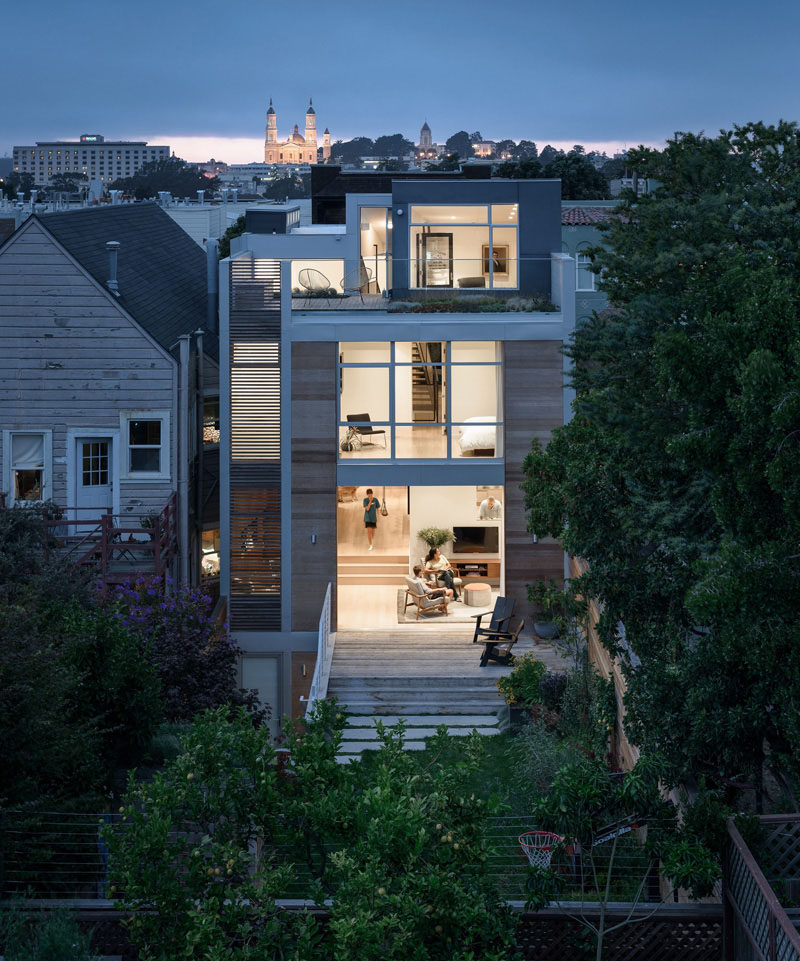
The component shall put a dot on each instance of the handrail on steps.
(325, 645)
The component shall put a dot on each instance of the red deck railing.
(117, 546)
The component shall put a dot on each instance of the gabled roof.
(161, 271)
(586, 216)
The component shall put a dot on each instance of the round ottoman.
(477, 595)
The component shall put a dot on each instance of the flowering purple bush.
(196, 660)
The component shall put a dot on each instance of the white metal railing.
(325, 645)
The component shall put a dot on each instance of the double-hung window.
(584, 278)
(28, 459)
(146, 440)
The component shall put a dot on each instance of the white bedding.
(481, 435)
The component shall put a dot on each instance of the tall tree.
(351, 151)
(394, 145)
(460, 143)
(173, 174)
(677, 478)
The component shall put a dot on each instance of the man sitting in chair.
(423, 588)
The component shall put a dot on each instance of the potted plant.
(435, 536)
(522, 688)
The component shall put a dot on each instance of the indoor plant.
(435, 536)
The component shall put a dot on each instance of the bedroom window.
(420, 400)
(146, 438)
(29, 473)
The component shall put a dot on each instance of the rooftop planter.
(473, 305)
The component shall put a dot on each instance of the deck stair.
(371, 568)
(426, 676)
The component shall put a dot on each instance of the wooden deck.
(409, 651)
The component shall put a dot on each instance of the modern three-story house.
(378, 353)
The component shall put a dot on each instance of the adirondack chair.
(500, 655)
(501, 615)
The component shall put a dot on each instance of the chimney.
(200, 195)
(115, 196)
(212, 278)
(112, 246)
(235, 192)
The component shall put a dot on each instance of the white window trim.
(124, 419)
(581, 264)
(8, 479)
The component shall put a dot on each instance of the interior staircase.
(427, 676)
(371, 568)
(423, 388)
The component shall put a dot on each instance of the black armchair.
(364, 429)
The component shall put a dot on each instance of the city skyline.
(582, 74)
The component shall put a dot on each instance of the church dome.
(297, 137)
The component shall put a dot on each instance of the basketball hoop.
(538, 847)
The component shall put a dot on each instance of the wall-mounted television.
(476, 540)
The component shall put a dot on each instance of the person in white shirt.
(491, 509)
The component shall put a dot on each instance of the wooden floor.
(407, 651)
(419, 441)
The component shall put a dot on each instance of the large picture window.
(464, 246)
(423, 400)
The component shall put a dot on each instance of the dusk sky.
(198, 76)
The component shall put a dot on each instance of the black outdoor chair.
(500, 655)
(501, 615)
(364, 429)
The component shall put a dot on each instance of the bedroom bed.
(477, 437)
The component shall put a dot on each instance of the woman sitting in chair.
(438, 564)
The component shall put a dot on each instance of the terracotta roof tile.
(585, 216)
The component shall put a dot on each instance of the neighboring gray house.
(579, 220)
(106, 365)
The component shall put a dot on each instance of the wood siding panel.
(313, 480)
(70, 360)
(533, 407)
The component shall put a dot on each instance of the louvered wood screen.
(255, 473)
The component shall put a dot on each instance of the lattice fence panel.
(689, 936)
(782, 849)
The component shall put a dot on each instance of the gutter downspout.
(199, 477)
(184, 343)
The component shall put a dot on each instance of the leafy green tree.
(351, 151)
(549, 153)
(206, 847)
(236, 229)
(22, 183)
(460, 143)
(594, 811)
(68, 182)
(450, 162)
(289, 188)
(180, 178)
(394, 145)
(677, 478)
(580, 180)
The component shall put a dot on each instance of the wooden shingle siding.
(314, 433)
(70, 359)
(533, 407)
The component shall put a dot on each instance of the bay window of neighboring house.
(146, 441)
(28, 475)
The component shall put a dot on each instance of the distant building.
(212, 168)
(297, 149)
(485, 148)
(91, 155)
(426, 148)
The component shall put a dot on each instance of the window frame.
(582, 264)
(163, 474)
(8, 467)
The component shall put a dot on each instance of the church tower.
(326, 146)
(271, 139)
(311, 132)
(425, 137)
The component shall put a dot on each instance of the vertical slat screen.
(255, 472)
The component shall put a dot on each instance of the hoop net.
(538, 847)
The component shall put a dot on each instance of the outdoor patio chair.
(362, 426)
(500, 655)
(315, 283)
(501, 615)
(424, 603)
(357, 281)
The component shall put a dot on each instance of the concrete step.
(350, 735)
(419, 683)
(354, 748)
(425, 720)
(371, 557)
(365, 580)
(375, 708)
(363, 567)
